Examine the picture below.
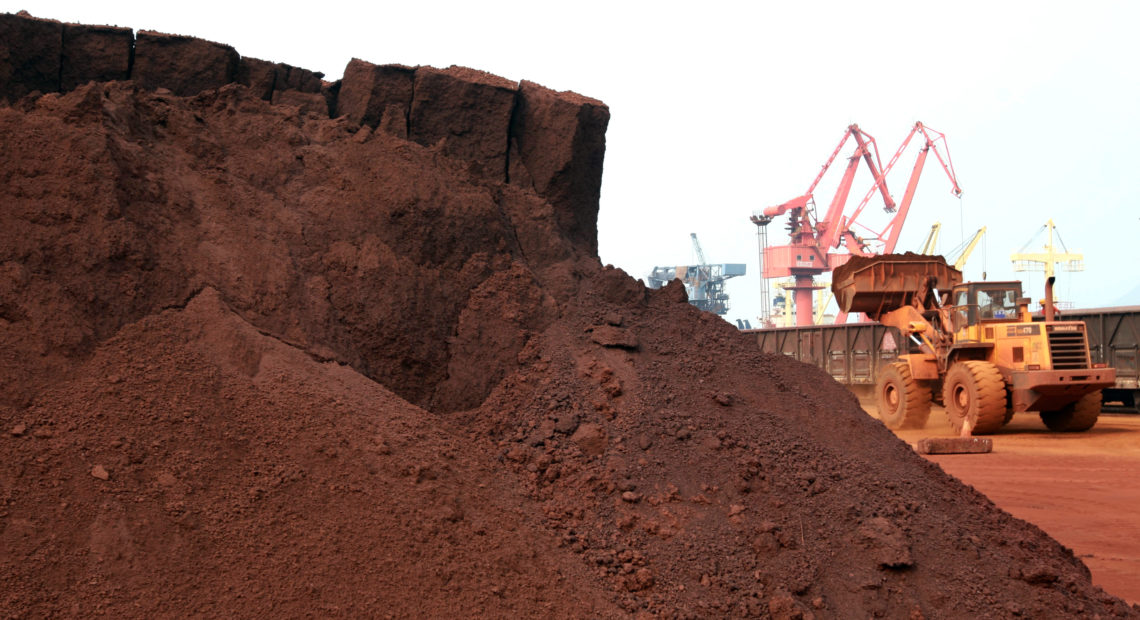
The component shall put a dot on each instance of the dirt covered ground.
(1081, 488)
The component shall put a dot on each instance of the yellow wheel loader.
(974, 348)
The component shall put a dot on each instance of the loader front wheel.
(1008, 416)
(974, 396)
(1074, 417)
(902, 401)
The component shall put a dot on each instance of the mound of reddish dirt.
(193, 465)
(708, 480)
(260, 361)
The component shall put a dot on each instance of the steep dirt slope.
(362, 246)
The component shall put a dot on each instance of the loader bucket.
(878, 284)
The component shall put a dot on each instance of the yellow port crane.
(1046, 260)
(960, 256)
(960, 262)
(931, 239)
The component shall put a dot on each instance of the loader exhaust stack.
(1050, 311)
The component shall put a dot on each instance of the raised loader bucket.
(877, 284)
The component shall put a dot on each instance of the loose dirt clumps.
(706, 479)
(261, 361)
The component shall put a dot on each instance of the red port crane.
(809, 252)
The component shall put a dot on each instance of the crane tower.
(703, 282)
(1050, 257)
(812, 238)
(761, 221)
(1047, 259)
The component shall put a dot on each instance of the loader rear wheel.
(1074, 417)
(974, 396)
(902, 401)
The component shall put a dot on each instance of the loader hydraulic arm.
(910, 319)
(910, 322)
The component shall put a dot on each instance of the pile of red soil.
(256, 360)
(194, 466)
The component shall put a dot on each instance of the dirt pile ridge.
(258, 360)
(362, 246)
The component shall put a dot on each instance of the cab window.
(997, 303)
(960, 315)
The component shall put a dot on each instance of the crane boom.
(811, 239)
(890, 234)
(965, 255)
(931, 239)
(697, 248)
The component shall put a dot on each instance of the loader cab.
(976, 303)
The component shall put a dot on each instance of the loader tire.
(974, 396)
(1074, 417)
(902, 401)
(1008, 416)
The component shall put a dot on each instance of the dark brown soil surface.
(256, 361)
(1081, 488)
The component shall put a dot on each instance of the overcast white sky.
(721, 108)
